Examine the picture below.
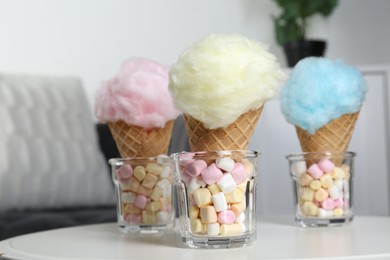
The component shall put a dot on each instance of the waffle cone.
(234, 137)
(134, 141)
(334, 136)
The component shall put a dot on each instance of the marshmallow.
(162, 158)
(196, 225)
(142, 190)
(165, 186)
(225, 164)
(213, 229)
(238, 208)
(320, 195)
(202, 197)
(154, 168)
(195, 183)
(240, 218)
(148, 217)
(194, 168)
(232, 229)
(305, 179)
(226, 217)
(156, 194)
(326, 181)
(153, 206)
(194, 212)
(243, 186)
(140, 201)
(339, 203)
(139, 173)
(328, 204)
(307, 194)
(239, 173)
(149, 181)
(219, 201)
(236, 196)
(298, 168)
(132, 209)
(128, 197)
(208, 214)
(248, 167)
(325, 165)
(166, 171)
(227, 183)
(214, 188)
(163, 217)
(309, 208)
(315, 185)
(322, 213)
(334, 192)
(315, 171)
(124, 172)
(133, 218)
(338, 212)
(337, 173)
(211, 174)
(133, 184)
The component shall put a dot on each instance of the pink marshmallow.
(239, 173)
(328, 204)
(194, 168)
(226, 217)
(315, 171)
(124, 172)
(132, 218)
(326, 165)
(339, 203)
(140, 201)
(211, 174)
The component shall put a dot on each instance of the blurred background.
(91, 38)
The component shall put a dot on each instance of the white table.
(278, 238)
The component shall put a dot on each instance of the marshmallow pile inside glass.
(322, 189)
(219, 193)
(145, 191)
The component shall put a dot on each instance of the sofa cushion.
(49, 151)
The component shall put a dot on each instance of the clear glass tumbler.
(217, 197)
(144, 189)
(322, 184)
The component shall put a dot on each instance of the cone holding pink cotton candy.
(221, 84)
(323, 98)
(138, 108)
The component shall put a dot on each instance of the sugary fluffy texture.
(320, 90)
(138, 95)
(223, 76)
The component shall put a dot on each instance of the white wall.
(91, 38)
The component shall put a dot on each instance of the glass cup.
(145, 201)
(322, 184)
(217, 197)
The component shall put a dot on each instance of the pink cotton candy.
(138, 95)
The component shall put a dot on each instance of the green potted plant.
(291, 26)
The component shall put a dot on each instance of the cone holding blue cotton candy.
(323, 98)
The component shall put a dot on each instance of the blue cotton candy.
(320, 90)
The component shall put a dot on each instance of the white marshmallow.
(323, 213)
(195, 183)
(166, 188)
(128, 197)
(240, 218)
(226, 164)
(213, 229)
(227, 183)
(334, 192)
(162, 158)
(339, 184)
(298, 168)
(219, 202)
(167, 170)
(162, 216)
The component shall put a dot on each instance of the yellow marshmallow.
(326, 181)
(194, 212)
(154, 168)
(236, 196)
(315, 185)
(139, 173)
(309, 208)
(214, 188)
(307, 194)
(196, 225)
(305, 179)
(231, 229)
(202, 197)
(321, 195)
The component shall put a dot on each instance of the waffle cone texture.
(236, 136)
(334, 136)
(134, 141)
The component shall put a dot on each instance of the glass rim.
(121, 161)
(248, 153)
(303, 155)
